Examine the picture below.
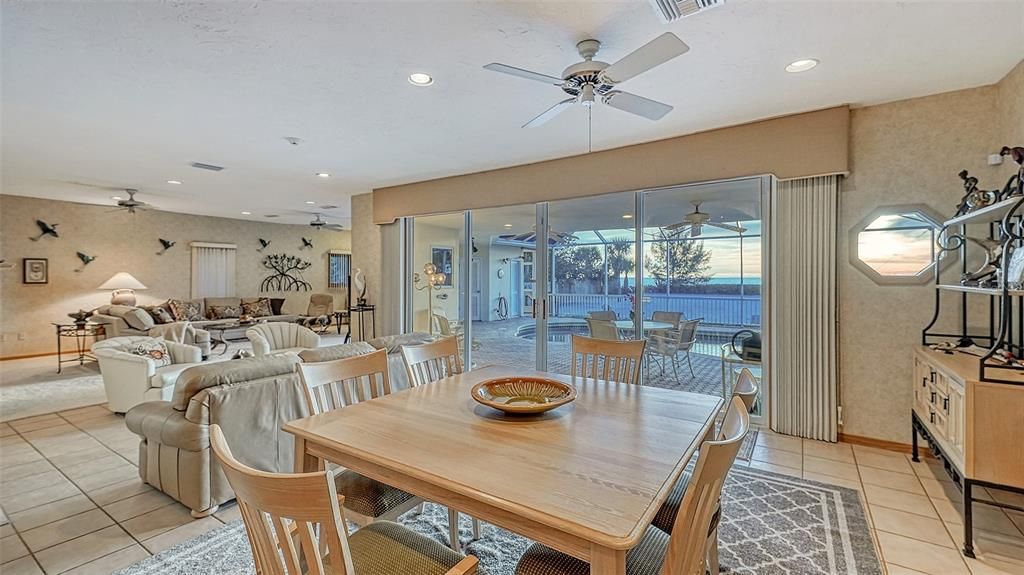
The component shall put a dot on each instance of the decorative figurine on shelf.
(432, 278)
(974, 198)
(81, 316)
(985, 276)
(359, 285)
(1015, 185)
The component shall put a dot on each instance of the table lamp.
(124, 285)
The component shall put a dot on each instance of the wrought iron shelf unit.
(993, 213)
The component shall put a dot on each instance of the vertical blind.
(339, 268)
(213, 270)
(804, 391)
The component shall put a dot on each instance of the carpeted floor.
(772, 525)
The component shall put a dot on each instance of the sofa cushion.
(333, 352)
(394, 343)
(166, 376)
(154, 349)
(235, 301)
(259, 307)
(186, 310)
(200, 377)
(276, 303)
(223, 311)
(138, 318)
(160, 313)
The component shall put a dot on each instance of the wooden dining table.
(586, 478)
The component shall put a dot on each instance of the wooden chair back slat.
(432, 361)
(687, 545)
(606, 360)
(334, 384)
(276, 507)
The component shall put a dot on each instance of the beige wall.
(809, 144)
(908, 152)
(123, 242)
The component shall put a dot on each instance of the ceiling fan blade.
(550, 113)
(650, 109)
(650, 55)
(730, 227)
(513, 71)
(676, 226)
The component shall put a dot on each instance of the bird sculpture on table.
(359, 285)
(45, 229)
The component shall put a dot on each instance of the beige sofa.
(251, 399)
(116, 318)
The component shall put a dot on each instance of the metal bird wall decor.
(45, 229)
(263, 244)
(86, 260)
(167, 244)
(306, 243)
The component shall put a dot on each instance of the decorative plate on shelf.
(523, 394)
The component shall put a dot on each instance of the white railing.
(716, 309)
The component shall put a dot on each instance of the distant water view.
(715, 280)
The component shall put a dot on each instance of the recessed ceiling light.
(116, 198)
(246, 213)
(627, 216)
(310, 203)
(174, 182)
(322, 175)
(420, 79)
(802, 65)
(508, 225)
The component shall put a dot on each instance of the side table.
(362, 310)
(80, 333)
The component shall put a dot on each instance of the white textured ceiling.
(129, 93)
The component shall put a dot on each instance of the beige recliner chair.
(130, 379)
(277, 337)
(250, 399)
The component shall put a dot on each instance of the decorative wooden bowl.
(523, 394)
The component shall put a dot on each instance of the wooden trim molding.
(31, 355)
(792, 146)
(877, 443)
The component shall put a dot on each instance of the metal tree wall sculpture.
(287, 274)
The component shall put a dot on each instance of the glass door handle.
(534, 315)
(544, 309)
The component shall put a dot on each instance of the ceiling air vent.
(328, 207)
(210, 167)
(671, 10)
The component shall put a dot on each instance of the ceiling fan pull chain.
(590, 129)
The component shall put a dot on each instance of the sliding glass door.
(681, 267)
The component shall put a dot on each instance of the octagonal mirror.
(896, 244)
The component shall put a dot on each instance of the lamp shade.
(122, 280)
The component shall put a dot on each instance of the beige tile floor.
(70, 487)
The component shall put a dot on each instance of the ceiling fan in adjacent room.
(590, 80)
(554, 237)
(319, 223)
(130, 204)
(695, 220)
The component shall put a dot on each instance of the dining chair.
(672, 317)
(688, 338)
(331, 385)
(428, 363)
(607, 360)
(432, 361)
(684, 551)
(736, 416)
(603, 329)
(663, 346)
(295, 524)
(447, 328)
(606, 315)
(746, 389)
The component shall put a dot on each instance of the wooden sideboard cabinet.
(975, 428)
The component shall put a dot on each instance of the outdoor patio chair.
(665, 345)
(603, 329)
(606, 315)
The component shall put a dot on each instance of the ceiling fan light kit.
(592, 80)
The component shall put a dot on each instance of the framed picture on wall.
(35, 270)
(443, 258)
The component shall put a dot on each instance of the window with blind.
(213, 270)
(339, 268)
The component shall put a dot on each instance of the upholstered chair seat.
(130, 378)
(280, 337)
(369, 497)
(644, 559)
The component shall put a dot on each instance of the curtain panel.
(804, 391)
(213, 270)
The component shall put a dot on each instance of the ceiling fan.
(130, 204)
(319, 223)
(554, 237)
(695, 220)
(591, 79)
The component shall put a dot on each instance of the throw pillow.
(258, 308)
(138, 318)
(154, 350)
(276, 303)
(185, 310)
(224, 311)
(161, 313)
